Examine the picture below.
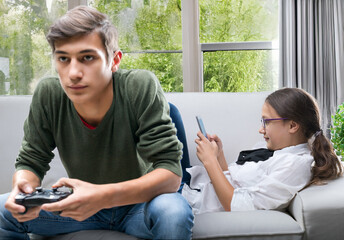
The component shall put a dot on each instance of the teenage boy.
(114, 136)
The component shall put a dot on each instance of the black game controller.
(41, 196)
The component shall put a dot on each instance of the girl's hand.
(218, 142)
(207, 150)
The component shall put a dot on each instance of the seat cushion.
(219, 225)
(89, 235)
(246, 225)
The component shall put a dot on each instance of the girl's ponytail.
(326, 163)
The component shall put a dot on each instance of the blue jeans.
(167, 216)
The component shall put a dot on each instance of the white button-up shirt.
(269, 184)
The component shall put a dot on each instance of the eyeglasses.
(267, 120)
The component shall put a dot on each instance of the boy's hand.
(18, 211)
(85, 201)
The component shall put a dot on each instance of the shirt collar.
(298, 149)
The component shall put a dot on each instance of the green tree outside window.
(150, 34)
(23, 25)
(239, 21)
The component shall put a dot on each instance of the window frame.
(193, 50)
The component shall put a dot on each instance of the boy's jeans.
(167, 216)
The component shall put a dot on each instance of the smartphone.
(201, 126)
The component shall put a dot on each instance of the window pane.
(25, 55)
(148, 25)
(240, 71)
(238, 20)
(166, 66)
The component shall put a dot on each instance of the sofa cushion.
(260, 224)
(219, 225)
(89, 235)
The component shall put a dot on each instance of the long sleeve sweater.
(135, 136)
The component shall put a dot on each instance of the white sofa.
(316, 213)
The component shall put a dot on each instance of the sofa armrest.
(319, 209)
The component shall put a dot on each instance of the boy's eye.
(88, 58)
(62, 59)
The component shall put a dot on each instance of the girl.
(297, 154)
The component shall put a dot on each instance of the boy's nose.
(75, 70)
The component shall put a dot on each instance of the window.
(150, 36)
(227, 45)
(25, 55)
(237, 39)
(238, 71)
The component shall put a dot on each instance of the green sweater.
(135, 136)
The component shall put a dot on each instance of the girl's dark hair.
(299, 106)
(83, 20)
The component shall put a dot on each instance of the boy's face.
(84, 72)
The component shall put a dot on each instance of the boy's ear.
(293, 126)
(116, 60)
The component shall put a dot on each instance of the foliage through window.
(25, 55)
(150, 36)
(238, 71)
(239, 21)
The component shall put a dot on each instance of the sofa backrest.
(235, 117)
(13, 112)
